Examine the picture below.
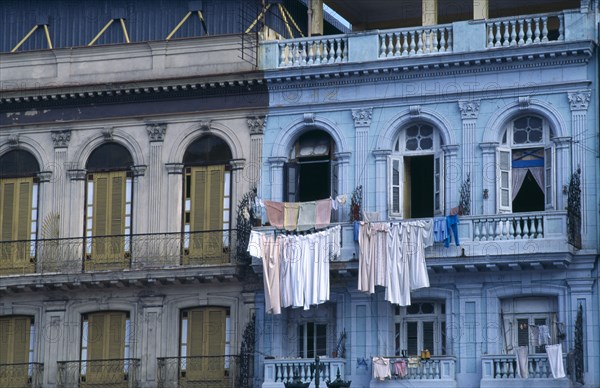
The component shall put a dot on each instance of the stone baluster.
(310, 56)
(518, 234)
(505, 36)
(383, 45)
(404, 43)
(513, 33)
(521, 23)
(527, 228)
(529, 32)
(544, 28)
(397, 45)
(412, 43)
(476, 230)
(435, 41)
(498, 37)
(537, 30)
(490, 38)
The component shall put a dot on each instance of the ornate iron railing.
(137, 251)
(201, 371)
(29, 375)
(99, 373)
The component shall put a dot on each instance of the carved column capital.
(362, 116)
(579, 100)
(138, 170)
(174, 168)
(381, 155)
(256, 124)
(61, 138)
(469, 109)
(76, 174)
(156, 131)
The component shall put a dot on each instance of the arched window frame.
(398, 194)
(504, 156)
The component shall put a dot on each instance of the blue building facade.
(504, 110)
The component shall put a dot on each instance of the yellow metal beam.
(201, 17)
(260, 15)
(101, 32)
(48, 36)
(124, 30)
(293, 22)
(287, 25)
(24, 39)
(178, 26)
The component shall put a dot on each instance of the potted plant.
(356, 209)
(338, 382)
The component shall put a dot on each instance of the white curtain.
(518, 176)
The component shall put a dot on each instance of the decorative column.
(490, 178)
(276, 163)
(76, 203)
(174, 196)
(469, 110)
(239, 187)
(154, 187)
(150, 335)
(562, 167)
(579, 102)
(54, 332)
(452, 175)
(362, 122)
(381, 181)
(256, 125)
(430, 10)
(61, 142)
(140, 213)
(342, 161)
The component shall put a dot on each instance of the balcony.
(25, 375)
(502, 371)
(283, 370)
(205, 371)
(515, 241)
(428, 41)
(438, 371)
(101, 261)
(122, 373)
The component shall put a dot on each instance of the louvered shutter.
(438, 183)
(16, 199)
(215, 343)
(549, 177)
(14, 337)
(504, 182)
(214, 217)
(291, 179)
(198, 211)
(195, 347)
(106, 341)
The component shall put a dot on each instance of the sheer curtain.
(519, 174)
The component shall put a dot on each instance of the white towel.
(555, 360)
(522, 363)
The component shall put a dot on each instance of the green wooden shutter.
(106, 341)
(215, 343)
(214, 217)
(206, 344)
(100, 217)
(195, 348)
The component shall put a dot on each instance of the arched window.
(108, 205)
(18, 211)
(525, 166)
(417, 173)
(309, 173)
(207, 200)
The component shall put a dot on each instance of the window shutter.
(195, 350)
(438, 183)
(291, 178)
(106, 341)
(7, 200)
(406, 193)
(504, 194)
(115, 335)
(16, 199)
(14, 349)
(96, 336)
(100, 216)
(549, 177)
(215, 343)
(397, 177)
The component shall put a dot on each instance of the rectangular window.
(312, 340)
(16, 347)
(420, 326)
(18, 225)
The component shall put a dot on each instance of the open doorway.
(419, 186)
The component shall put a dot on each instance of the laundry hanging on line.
(295, 267)
(392, 255)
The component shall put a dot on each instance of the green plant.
(464, 205)
(356, 204)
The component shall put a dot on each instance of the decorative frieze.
(469, 109)
(256, 124)
(156, 131)
(61, 138)
(579, 100)
(362, 117)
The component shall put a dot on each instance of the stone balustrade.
(525, 30)
(501, 370)
(279, 371)
(406, 42)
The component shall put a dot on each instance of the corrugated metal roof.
(74, 23)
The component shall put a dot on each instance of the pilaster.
(174, 195)
(276, 163)
(469, 111)
(362, 121)
(156, 136)
(381, 189)
(256, 125)
(579, 102)
(490, 178)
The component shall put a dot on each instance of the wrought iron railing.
(137, 251)
(29, 375)
(200, 371)
(121, 373)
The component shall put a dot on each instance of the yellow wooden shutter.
(14, 349)
(206, 343)
(16, 198)
(109, 220)
(195, 350)
(207, 191)
(106, 341)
